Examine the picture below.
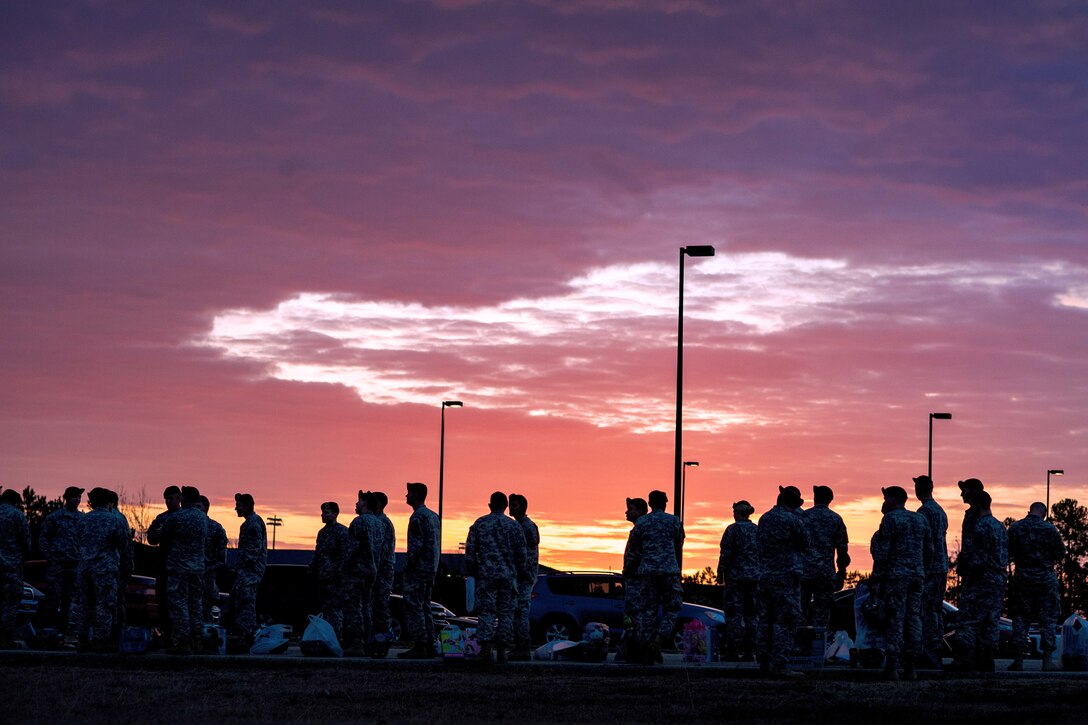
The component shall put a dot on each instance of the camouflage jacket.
(782, 542)
(938, 536)
(827, 540)
(252, 546)
(14, 539)
(388, 560)
(1035, 546)
(988, 554)
(154, 537)
(632, 554)
(739, 557)
(902, 547)
(184, 533)
(366, 546)
(102, 539)
(532, 547)
(59, 538)
(660, 538)
(215, 546)
(334, 547)
(495, 549)
(967, 531)
(423, 545)
(127, 554)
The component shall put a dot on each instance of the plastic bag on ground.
(319, 639)
(1075, 643)
(269, 640)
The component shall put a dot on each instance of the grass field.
(157, 690)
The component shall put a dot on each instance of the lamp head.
(941, 416)
(452, 404)
(1056, 472)
(699, 250)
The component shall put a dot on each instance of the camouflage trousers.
(185, 600)
(11, 593)
(981, 597)
(60, 586)
(903, 603)
(779, 617)
(495, 605)
(633, 586)
(357, 603)
(933, 610)
(243, 603)
(740, 604)
(816, 596)
(522, 606)
(335, 603)
(379, 603)
(417, 607)
(97, 592)
(1034, 598)
(660, 602)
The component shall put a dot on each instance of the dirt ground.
(61, 688)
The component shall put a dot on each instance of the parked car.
(563, 603)
(28, 604)
(441, 615)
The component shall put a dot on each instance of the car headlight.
(716, 617)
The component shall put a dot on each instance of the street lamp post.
(703, 250)
(442, 462)
(684, 487)
(932, 417)
(1056, 472)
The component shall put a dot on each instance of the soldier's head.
(243, 504)
(498, 502)
(329, 511)
(172, 497)
(790, 497)
(923, 487)
(981, 500)
(416, 494)
(360, 503)
(72, 496)
(658, 500)
(1037, 509)
(518, 505)
(11, 497)
(381, 500)
(636, 507)
(822, 495)
(204, 504)
(98, 498)
(742, 510)
(895, 497)
(190, 496)
(968, 488)
(114, 499)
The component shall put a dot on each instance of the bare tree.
(137, 509)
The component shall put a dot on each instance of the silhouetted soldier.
(738, 571)
(385, 560)
(632, 584)
(102, 541)
(936, 572)
(249, 567)
(901, 552)
(522, 641)
(660, 539)
(828, 542)
(419, 573)
(59, 542)
(14, 550)
(331, 555)
(215, 558)
(172, 496)
(125, 570)
(184, 533)
(782, 544)
(360, 572)
(968, 488)
(495, 556)
(982, 567)
(1035, 547)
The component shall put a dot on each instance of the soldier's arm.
(521, 558)
(470, 551)
(154, 531)
(842, 549)
(724, 556)
(24, 539)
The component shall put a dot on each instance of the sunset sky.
(252, 246)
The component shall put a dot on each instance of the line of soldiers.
(782, 574)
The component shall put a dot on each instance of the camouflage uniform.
(901, 550)
(328, 568)
(659, 536)
(385, 560)
(360, 568)
(632, 586)
(59, 542)
(102, 539)
(526, 584)
(14, 549)
(154, 537)
(123, 575)
(827, 538)
(251, 561)
(185, 533)
(419, 573)
(982, 570)
(1035, 546)
(215, 557)
(936, 575)
(782, 542)
(495, 555)
(738, 570)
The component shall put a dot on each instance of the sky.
(252, 247)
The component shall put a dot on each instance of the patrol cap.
(190, 494)
(822, 494)
(11, 496)
(924, 481)
(417, 488)
(790, 496)
(244, 498)
(332, 506)
(639, 503)
(73, 492)
(98, 496)
(744, 506)
(383, 500)
(970, 484)
(895, 493)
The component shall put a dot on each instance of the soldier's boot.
(651, 655)
(485, 658)
(521, 653)
(180, 647)
(891, 668)
(1049, 665)
(909, 673)
(1017, 664)
(500, 652)
(632, 655)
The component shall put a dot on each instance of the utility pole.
(275, 522)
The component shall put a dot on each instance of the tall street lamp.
(1056, 472)
(442, 462)
(703, 250)
(684, 487)
(932, 417)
